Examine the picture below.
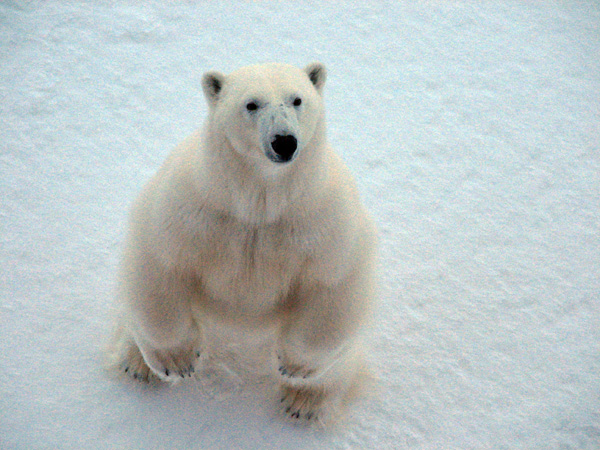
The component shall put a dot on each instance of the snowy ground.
(473, 129)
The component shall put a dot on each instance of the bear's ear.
(317, 75)
(212, 85)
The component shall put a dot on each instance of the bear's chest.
(251, 269)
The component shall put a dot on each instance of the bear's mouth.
(283, 148)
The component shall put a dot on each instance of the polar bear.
(253, 219)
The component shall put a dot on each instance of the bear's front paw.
(303, 404)
(172, 364)
(295, 374)
(131, 363)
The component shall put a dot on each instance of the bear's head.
(269, 114)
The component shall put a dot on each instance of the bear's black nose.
(284, 147)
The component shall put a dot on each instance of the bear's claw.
(293, 372)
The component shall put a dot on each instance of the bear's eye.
(252, 106)
(297, 101)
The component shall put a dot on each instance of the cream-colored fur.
(224, 231)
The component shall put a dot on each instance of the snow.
(473, 129)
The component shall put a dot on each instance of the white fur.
(223, 231)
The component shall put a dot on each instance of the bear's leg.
(159, 319)
(319, 358)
